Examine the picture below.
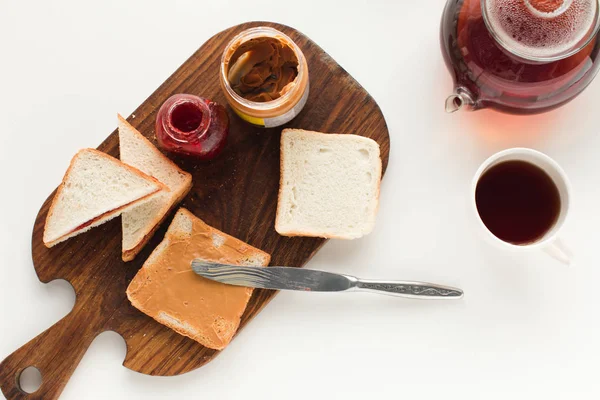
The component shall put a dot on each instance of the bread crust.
(109, 214)
(281, 162)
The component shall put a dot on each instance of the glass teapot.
(519, 56)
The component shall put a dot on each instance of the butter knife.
(286, 278)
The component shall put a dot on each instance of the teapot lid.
(542, 30)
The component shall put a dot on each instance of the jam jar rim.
(195, 134)
(542, 59)
(252, 33)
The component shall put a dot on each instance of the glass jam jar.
(264, 76)
(192, 126)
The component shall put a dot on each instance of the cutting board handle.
(55, 353)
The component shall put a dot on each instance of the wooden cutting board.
(236, 193)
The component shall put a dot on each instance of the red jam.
(192, 126)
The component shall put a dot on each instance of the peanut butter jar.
(264, 76)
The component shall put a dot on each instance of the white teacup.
(549, 242)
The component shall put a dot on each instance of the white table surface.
(528, 327)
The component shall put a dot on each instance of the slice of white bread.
(95, 189)
(140, 223)
(167, 289)
(329, 185)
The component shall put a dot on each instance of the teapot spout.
(460, 99)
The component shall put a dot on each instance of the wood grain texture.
(236, 193)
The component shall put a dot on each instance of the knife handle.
(415, 290)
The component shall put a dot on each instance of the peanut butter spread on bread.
(169, 291)
(262, 68)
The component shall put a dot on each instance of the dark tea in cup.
(517, 201)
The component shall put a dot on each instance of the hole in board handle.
(30, 380)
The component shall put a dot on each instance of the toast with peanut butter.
(167, 289)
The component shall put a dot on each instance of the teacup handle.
(559, 251)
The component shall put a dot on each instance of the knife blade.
(287, 278)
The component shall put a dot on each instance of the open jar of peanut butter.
(264, 76)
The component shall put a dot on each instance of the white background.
(528, 327)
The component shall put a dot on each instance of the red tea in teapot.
(519, 56)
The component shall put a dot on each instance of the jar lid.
(542, 30)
